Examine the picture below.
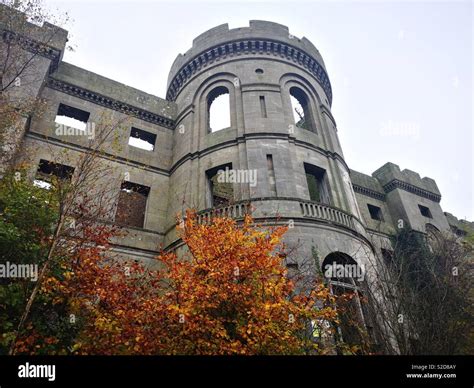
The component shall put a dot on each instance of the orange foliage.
(228, 293)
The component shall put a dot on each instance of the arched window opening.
(301, 109)
(345, 277)
(339, 267)
(218, 109)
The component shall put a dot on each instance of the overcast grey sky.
(401, 72)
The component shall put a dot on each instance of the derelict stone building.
(286, 171)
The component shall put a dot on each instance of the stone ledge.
(368, 192)
(110, 103)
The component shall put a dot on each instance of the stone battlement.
(390, 172)
(367, 181)
(257, 30)
(48, 34)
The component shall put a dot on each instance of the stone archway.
(345, 278)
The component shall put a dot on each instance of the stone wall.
(265, 61)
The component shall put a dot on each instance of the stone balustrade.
(294, 208)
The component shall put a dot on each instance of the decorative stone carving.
(396, 184)
(110, 103)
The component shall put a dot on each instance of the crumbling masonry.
(302, 178)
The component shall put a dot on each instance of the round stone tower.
(285, 171)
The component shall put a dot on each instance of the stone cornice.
(333, 217)
(110, 103)
(397, 184)
(35, 47)
(368, 192)
(249, 47)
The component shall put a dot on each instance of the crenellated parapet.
(398, 195)
(261, 38)
(391, 177)
(47, 40)
(367, 185)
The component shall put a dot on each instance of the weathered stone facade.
(259, 67)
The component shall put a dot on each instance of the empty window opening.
(218, 108)
(259, 71)
(301, 109)
(72, 117)
(375, 212)
(142, 139)
(425, 212)
(48, 171)
(263, 108)
(349, 279)
(271, 176)
(351, 314)
(221, 193)
(132, 202)
(316, 179)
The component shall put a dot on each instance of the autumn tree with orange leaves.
(231, 294)
(228, 293)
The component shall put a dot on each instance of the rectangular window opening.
(132, 203)
(375, 212)
(425, 212)
(317, 184)
(263, 107)
(142, 139)
(47, 170)
(72, 117)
